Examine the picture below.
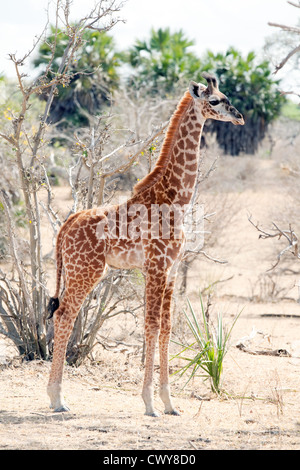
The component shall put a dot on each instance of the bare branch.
(291, 29)
(277, 232)
(289, 93)
(294, 4)
(124, 167)
(102, 10)
(284, 61)
(201, 252)
(284, 27)
(14, 253)
(9, 139)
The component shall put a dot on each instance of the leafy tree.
(162, 61)
(253, 91)
(93, 74)
(165, 62)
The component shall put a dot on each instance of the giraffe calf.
(129, 236)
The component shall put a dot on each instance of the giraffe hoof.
(172, 412)
(153, 414)
(61, 409)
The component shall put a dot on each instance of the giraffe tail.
(52, 306)
(54, 301)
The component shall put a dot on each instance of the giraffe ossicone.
(145, 232)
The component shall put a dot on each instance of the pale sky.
(213, 24)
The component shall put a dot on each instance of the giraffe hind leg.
(64, 318)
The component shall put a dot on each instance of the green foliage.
(93, 74)
(162, 61)
(160, 65)
(291, 110)
(165, 62)
(209, 347)
(252, 90)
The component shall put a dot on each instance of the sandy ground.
(261, 406)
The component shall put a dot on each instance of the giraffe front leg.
(164, 341)
(55, 394)
(148, 393)
(155, 287)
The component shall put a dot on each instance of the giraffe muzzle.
(238, 117)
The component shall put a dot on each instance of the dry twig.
(291, 29)
(289, 235)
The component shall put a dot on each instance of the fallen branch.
(280, 315)
(275, 352)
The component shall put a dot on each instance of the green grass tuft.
(207, 352)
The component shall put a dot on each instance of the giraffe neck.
(173, 178)
(177, 183)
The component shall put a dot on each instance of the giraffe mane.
(164, 157)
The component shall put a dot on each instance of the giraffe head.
(212, 103)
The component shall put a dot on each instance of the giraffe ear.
(196, 89)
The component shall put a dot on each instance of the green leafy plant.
(208, 349)
(92, 74)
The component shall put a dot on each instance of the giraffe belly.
(125, 256)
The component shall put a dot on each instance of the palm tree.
(162, 61)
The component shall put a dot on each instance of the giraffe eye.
(214, 102)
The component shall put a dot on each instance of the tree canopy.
(93, 74)
(162, 60)
(163, 64)
(252, 90)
